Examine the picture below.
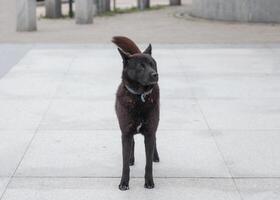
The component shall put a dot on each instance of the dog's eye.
(142, 66)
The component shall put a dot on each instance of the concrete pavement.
(218, 136)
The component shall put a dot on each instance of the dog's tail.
(126, 44)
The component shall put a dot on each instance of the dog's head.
(140, 68)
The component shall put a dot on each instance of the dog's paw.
(156, 159)
(131, 162)
(123, 186)
(149, 184)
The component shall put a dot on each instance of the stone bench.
(238, 10)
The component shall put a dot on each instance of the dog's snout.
(154, 75)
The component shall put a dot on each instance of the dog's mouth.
(152, 83)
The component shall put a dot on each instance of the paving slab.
(257, 153)
(22, 114)
(11, 54)
(98, 154)
(13, 145)
(165, 189)
(88, 87)
(107, 61)
(80, 114)
(86, 114)
(36, 75)
(3, 184)
(238, 86)
(94, 87)
(242, 114)
(87, 80)
(25, 83)
(259, 189)
(218, 135)
(229, 61)
(52, 57)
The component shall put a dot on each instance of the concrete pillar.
(102, 6)
(53, 8)
(84, 11)
(26, 15)
(143, 4)
(175, 2)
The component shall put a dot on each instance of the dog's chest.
(138, 128)
(139, 109)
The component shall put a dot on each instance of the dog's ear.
(125, 56)
(148, 50)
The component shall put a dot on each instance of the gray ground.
(218, 136)
(161, 26)
(219, 131)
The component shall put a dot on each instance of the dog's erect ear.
(125, 56)
(148, 50)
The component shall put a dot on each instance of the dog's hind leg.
(132, 159)
(126, 150)
(156, 156)
(149, 147)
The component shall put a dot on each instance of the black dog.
(137, 106)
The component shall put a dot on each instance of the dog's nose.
(154, 75)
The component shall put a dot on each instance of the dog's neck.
(138, 88)
(142, 92)
(142, 95)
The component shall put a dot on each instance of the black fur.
(140, 75)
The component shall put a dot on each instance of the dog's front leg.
(156, 156)
(126, 151)
(132, 159)
(149, 147)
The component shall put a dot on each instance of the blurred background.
(188, 22)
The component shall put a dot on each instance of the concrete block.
(143, 4)
(26, 15)
(102, 6)
(175, 2)
(84, 11)
(53, 8)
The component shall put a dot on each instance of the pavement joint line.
(218, 148)
(11, 177)
(43, 131)
(6, 186)
(211, 132)
(57, 89)
(221, 153)
(158, 45)
(168, 99)
(136, 177)
(35, 133)
(109, 130)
